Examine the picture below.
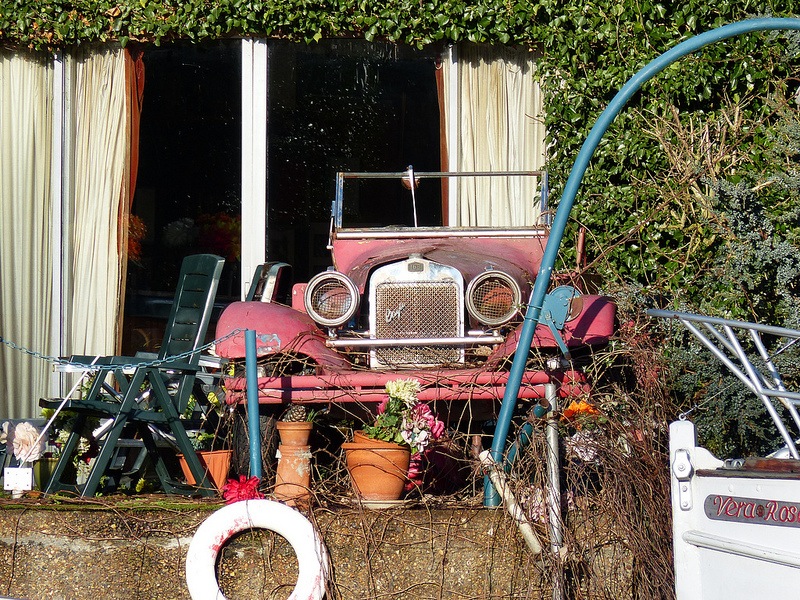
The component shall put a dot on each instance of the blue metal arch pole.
(253, 423)
(568, 198)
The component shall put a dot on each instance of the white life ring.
(214, 532)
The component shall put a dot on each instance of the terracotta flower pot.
(359, 437)
(294, 433)
(216, 462)
(293, 476)
(378, 469)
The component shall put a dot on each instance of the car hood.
(518, 257)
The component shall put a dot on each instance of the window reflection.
(188, 187)
(345, 105)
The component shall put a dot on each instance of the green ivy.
(46, 25)
(591, 49)
(718, 238)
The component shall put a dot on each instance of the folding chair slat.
(183, 339)
(195, 282)
(192, 299)
(186, 316)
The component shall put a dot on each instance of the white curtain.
(498, 108)
(95, 171)
(26, 84)
(99, 199)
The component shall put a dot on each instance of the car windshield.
(436, 199)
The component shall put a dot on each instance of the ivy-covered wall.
(39, 24)
(691, 201)
(647, 199)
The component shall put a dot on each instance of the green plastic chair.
(151, 397)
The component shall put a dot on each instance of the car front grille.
(417, 309)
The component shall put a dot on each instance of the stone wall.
(102, 550)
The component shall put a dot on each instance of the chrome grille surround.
(413, 299)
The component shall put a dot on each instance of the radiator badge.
(752, 510)
(392, 314)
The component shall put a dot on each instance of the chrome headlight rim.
(473, 308)
(328, 278)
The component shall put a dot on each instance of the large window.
(344, 105)
(337, 105)
(260, 128)
(188, 197)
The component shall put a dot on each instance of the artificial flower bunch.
(578, 409)
(243, 488)
(137, 231)
(24, 439)
(221, 234)
(403, 419)
(87, 447)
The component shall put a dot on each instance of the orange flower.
(136, 232)
(579, 408)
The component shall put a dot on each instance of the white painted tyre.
(216, 530)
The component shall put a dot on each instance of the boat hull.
(736, 530)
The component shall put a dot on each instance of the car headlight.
(493, 298)
(331, 298)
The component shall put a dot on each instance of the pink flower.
(422, 412)
(420, 427)
(416, 468)
(437, 429)
(243, 489)
(382, 406)
(24, 438)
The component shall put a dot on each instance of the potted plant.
(211, 448)
(293, 475)
(216, 462)
(294, 426)
(84, 454)
(379, 456)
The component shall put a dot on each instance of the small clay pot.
(293, 476)
(216, 462)
(294, 433)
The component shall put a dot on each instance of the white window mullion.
(254, 158)
(453, 125)
(57, 233)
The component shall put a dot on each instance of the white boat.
(736, 523)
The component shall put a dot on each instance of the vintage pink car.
(442, 305)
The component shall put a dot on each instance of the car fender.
(279, 328)
(594, 326)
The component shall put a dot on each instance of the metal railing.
(733, 343)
